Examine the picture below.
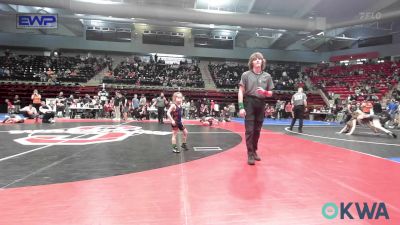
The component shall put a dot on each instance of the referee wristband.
(241, 105)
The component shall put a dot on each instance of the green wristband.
(241, 105)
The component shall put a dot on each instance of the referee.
(299, 102)
(255, 85)
(160, 103)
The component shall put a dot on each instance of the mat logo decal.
(83, 135)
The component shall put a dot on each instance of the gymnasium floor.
(104, 172)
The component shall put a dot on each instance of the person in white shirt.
(29, 111)
(103, 95)
(48, 113)
(232, 110)
(216, 109)
(186, 109)
(142, 101)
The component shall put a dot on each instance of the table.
(84, 110)
(322, 115)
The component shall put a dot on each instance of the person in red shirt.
(269, 111)
(289, 110)
(212, 107)
(108, 109)
(10, 106)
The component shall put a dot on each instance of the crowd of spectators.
(285, 76)
(51, 69)
(156, 73)
(361, 86)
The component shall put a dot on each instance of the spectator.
(47, 112)
(36, 99)
(30, 112)
(289, 110)
(17, 104)
(142, 101)
(60, 104)
(10, 107)
(232, 110)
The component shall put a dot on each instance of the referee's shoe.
(250, 159)
(300, 129)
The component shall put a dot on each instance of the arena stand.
(286, 76)
(359, 81)
(132, 77)
(64, 69)
(156, 74)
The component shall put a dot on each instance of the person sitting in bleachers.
(51, 75)
(156, 74)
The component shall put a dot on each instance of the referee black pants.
(298, 114)
(253, 122)
(160, 112)
(47, 116)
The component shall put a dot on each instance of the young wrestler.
(371, 121)
(175, 116)
(351, 124)
(13, 118)
(375, 124)
(209, 121)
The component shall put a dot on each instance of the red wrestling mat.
(290, 185)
